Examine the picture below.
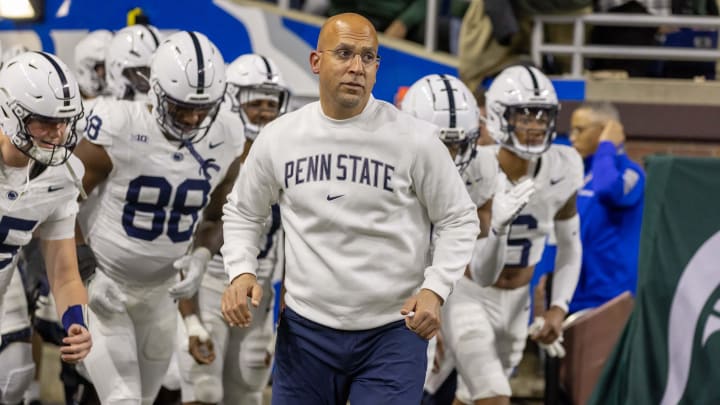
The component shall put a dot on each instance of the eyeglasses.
(346, 55)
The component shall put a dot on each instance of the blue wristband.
(74, 314)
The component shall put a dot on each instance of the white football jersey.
(153, 197)
(481, 176)
(558, 175)
(46, 209)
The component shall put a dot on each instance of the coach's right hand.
(422, 313)
(235, 299)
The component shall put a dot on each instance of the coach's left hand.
(426, 319)
(234, 303)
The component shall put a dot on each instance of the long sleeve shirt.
(357, 199)
(610, 207)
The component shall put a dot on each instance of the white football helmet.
(89, 56)
(187, 77)
(39, 86)
(12, 52)
(255, 77)
(522, 93)
(446, 102)
(128, 61)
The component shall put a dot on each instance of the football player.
(446, 102)
(40, 105)
(488, 331)
(159, 169)
(128, 61)
(232, 365)
(90, 64)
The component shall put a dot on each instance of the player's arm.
(209, 233)
(70, 296)
(614, 184)
(200, 345)
(489, 253)
(567, 270)
(98, 166)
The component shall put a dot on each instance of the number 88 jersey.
(153, 197)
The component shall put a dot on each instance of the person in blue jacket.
(610, 204)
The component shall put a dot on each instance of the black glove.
(86, 262)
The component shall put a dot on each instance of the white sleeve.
(247, 209)
(442, 191)
(63, 228)
(488, 258)
(567, 261)
(107, 120)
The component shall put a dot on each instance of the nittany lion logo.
(698, 284)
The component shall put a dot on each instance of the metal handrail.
(431, 18)
(579, 50)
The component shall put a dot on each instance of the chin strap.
(76, 180)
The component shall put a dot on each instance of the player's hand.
(202, 352)
(439, 352)
(422, 313)
(234, 305)
(554, 348)
(105, 298)
(507, 205)
(552, 328)
(613, 132)
(76, 345)
(396, 29)
(192, 268)
(200, 345)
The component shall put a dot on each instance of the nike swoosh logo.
(334, 197)
(51, 189)
(556, 181)
(215, 145)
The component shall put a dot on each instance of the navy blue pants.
(318, 365)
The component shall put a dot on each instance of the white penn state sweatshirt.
(357, 198)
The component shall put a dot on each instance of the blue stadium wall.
(234, 28)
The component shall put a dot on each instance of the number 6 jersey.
(558, 175)
(153, 197)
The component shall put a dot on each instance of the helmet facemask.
(245, 98)
(536, 123)
(94, 83)
(137, 82)
(49, 154)
(462, 143)
(169, 112)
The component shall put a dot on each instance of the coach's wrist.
(244, 277)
